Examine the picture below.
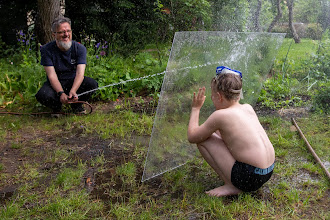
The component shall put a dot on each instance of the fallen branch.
(310, 148)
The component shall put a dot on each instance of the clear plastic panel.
(192, 64)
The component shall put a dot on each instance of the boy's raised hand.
(198, 100)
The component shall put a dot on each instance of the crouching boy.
(231, 140)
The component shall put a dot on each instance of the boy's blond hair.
(228, 84)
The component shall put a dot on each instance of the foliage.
(108, 68)
(131, 24)
(321, 100)
(304, 12)
(14, 17)
(188, 15)
(278, 92)
(299, 70)
(314, 31)
(318, 66)
(128, 24)
(20, 76)
(324, 15)
(230, 15)
(4, 49)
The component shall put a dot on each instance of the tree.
(127, 24)
(48, 11)
(290, 4)
(324, 16)
(256, 20)
(277, 17)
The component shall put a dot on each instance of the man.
(231, 140)
(64, 61)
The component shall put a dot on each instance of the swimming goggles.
(224, 69)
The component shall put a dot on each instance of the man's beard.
(63, 45)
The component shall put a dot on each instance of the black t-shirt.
(64, 62)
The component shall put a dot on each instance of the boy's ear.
(219, 96)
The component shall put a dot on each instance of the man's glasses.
(63, 32)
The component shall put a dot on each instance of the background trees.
(131, 24)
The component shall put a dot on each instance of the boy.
(231, 140)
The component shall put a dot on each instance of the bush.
(321, 100)
(279, 92)
(317, 66)
(314, 31)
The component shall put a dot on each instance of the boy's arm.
(196, 133)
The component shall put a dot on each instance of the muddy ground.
(79, 146)
(87, 148)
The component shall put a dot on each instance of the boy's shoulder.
(238, 109)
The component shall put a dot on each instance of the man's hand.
(64, 98)
(73, 96)
(198, 100)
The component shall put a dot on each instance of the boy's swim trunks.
(249, 178)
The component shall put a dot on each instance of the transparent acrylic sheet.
(192, 64)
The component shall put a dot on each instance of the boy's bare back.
(244, 136)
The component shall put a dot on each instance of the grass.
(48, 162)
(297, 52)
(297, 190)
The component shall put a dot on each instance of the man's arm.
(77, 81)
(55, 83)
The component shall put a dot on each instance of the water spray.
(144, 77)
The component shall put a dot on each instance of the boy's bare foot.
(225, 190)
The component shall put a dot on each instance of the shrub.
(321, 100)
(317, 66)
(314, 31)
(279, 92)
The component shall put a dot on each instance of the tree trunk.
(292, 28)
(257, 17)
(48, 11)
(277, 17)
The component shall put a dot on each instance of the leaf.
(128, 75)
(3, 85)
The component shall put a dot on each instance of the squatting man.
(231, 140)
(64, 61)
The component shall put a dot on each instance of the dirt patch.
(293, 112)
(32, 146)
(139, 104)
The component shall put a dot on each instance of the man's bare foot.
(225, 190)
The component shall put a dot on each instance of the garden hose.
(62, 113)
